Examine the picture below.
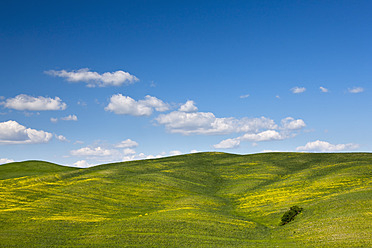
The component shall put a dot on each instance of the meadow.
(195, 200)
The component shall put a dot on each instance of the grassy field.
(195, 200)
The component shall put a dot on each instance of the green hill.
(195, 200)
(30, 168)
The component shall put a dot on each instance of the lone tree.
(290, 214)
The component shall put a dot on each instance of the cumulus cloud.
(129, 151)
(108, 152)
(94, 79)
(267, 135)
(127, 144)
(6, 160)
(175, 153)
(61, 138)
(244, 96)
(70, 118)
(289, 128)
(189, 106)
(66, 118)
(228, 144)
(11, 132)
(25, 102)
(324, 146)
(290, 123)
(297, 90)
(207, 123)
(356, 90)
(125, 105)
(322, 89)
(82, 164)
(93, 152)
(141, 155)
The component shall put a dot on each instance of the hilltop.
(30, 168)
(194, 200)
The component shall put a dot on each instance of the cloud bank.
(206, 123)
(6, 160)
(324, 146)
(287, 130)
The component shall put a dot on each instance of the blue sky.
(90, 82)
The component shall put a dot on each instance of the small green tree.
(290, 214)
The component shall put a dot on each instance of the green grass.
(195, 200)
(30, 168)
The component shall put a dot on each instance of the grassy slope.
(196, 200)
(30, 168)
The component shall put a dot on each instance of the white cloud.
(175, 153)
(66, 118)
(94, 79)
(189, 106)
(61, 138)
(194, 151)
(70, 118)
(228, 144)
(267, 135)
(25, 102)
(81, 103)
(325, 146)
(95, 152)
(125, 105)
(154, 102)
(82, 164)
(322, 89)
(6, 160)
(288, 130)
(129, 151)
(356, 90)
(107, 153)
(141, 155)
(206, 123)
(290, 123)
(297, 90)
(269, 151)
(11, 132)
(244, 96)
(54, 120)
(127, 144)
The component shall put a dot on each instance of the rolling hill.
(194, 200)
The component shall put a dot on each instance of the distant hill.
(194, 200)
(30, 168)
